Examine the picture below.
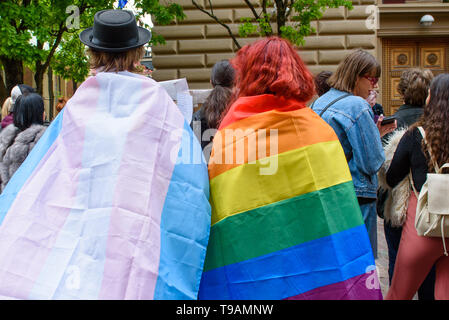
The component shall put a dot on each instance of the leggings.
(415, 258)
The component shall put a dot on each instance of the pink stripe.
(356, 288)
(133, 247)
(45, 201)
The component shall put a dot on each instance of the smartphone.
(388, 120)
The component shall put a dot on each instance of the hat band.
(129, 43)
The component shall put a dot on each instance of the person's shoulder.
(353, 107)
(415, 132)
(327, 98)
(412, 136)
(357, 101)
(8, 133)
(31, 134)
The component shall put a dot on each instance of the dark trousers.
(393, 237)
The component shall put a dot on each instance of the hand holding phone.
(386, 124)
(388, 120)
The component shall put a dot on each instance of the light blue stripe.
(27, 168)
(74, 269)
(292, 271)
(185, 224)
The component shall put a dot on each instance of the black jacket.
(408, 115)
(199, 118)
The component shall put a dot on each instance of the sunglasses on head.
(373, 80)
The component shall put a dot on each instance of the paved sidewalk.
(382, 257)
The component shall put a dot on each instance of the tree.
(290, 19)
(43, 33)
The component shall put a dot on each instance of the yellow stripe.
(299, 171)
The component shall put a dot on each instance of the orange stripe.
(295, 129)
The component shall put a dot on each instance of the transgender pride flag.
(103, 208)
(296, 233)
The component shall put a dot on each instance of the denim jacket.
(353, 121)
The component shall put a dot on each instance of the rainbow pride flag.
(112, 203)
(286, 223)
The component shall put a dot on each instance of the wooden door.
(399, 55)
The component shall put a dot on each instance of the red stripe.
(246, 107)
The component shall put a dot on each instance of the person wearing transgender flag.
(286, 223)
(113, 201)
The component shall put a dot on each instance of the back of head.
(357, 64)
(6, 108)
(435, 119)
(222, 79)
(272, 66)
(222, 74)
(414, 86)
(116, 61)
(28, 110)
(61, 104)
(116, 43)
(321, 84)
(24, 88)
(19, 90)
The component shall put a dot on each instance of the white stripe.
(74, 269)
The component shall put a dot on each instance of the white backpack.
(432, 209)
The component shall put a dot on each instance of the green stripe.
(282, 225)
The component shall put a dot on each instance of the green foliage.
(38, 32)
(70, 60)
(262, 27)
(247, 28)
(294, 23)
(304, 12)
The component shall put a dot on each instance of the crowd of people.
(106, 188)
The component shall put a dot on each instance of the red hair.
(272, 66)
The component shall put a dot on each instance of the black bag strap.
(332, 103)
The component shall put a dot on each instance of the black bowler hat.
(115, 31)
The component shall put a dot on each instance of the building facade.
(390, 31)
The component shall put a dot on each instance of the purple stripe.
(143, 180)
(362, 287)
(42, 206)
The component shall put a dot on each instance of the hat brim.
(144, 38)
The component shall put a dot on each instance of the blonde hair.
(6, 108)
(120, 61)
(356, 64)
(414, 86)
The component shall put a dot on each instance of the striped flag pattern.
(294, 234)
(105, 207)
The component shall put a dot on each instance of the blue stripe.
(185, 224)
(22, 174)
(292, 271)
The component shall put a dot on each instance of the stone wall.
(196, 43)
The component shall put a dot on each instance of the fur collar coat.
(396, 204)
(15, 147)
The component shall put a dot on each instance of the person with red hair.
(285, 218)
(269, 65)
